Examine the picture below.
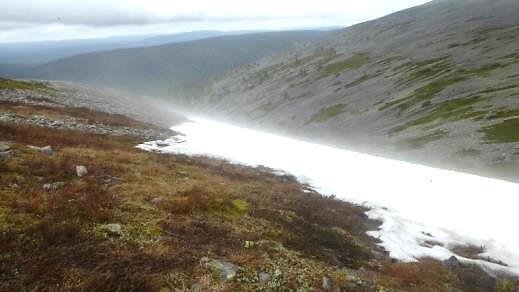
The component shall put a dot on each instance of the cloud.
(125, 12)
(60, 18)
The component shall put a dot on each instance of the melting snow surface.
(425, 211)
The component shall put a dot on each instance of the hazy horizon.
(53, 20)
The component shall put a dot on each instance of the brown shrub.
(432, 275)
(63, 138)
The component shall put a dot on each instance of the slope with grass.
(422, 84)
(145, 221)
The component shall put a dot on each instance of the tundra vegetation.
(136, 220)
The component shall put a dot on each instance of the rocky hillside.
(436, 84)
(81, 208)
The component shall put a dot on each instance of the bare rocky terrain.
(435, 84)
(62, 95)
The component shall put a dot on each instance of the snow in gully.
(425, 212)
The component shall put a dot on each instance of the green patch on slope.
(326, 113)
(423, 70)
(17, 84)
(354, 62)
(452, 110)
(359, 81)
(497, 89)
(504, 132)
(424, 93)
(485, 70)
(503, 113)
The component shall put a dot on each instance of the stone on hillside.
(4, 147)
(453, 262)
(45, 150)
(225, 270)
(264, 277)
(197, 287)
(53, 186)
(156, 200)
(5, 155)
(327, 284)
(81, 170)
(113, 229)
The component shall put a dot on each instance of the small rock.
(453, 262)
(225, 270)
(45, 150)
(53, 186)
(162, 144)
(327, 284)
(56, 124)
(14, 185)
(81, 170)
(156, 200)
(264, 277)
(113, 229)
(5, 155)
(182, 173)
(4, 147)
(248, 244)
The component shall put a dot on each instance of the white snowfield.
(425, 211)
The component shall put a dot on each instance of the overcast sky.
(27, 20)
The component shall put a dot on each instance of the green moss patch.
(359, 81)
(356, 61)
(505, 132)
(452, 110)
(16, 84)
(497, 89)
(423, 70)
(484, 71)
(503, 113)
(424, 93)
(326, 113)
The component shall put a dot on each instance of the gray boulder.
(4, 146)
(197, 287)
(113, 229)
(264, 277)
(453, 262)
(227, 271)
(81, 170)
(45, 150)
(51, 187)
(327, 284)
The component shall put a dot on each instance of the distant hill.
(167, 69)
(46, 51)
(437, 84)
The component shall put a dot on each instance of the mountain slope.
(436, 83)
(166, 69)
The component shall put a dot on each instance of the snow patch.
(425, 211)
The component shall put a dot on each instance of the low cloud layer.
(58, 19)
